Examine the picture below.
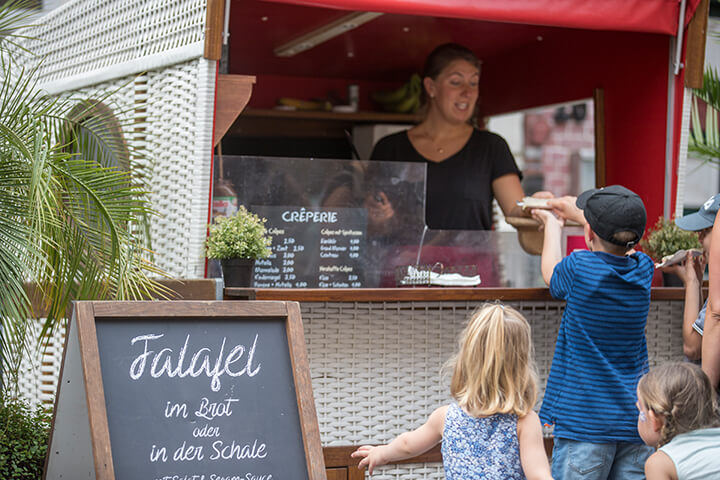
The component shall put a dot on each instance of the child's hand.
(546, 218)
(677, 269)
(371, 457)
(694, 268)
(565, 208)
(690, 271)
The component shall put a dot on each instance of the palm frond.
(704, 140)
(71, 206)
(13, 19)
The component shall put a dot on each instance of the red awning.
(653, 16)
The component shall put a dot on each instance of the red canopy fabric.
(652, 16)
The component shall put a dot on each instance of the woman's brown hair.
(681, 394)
(443, 55)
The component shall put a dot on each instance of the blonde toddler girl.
(490, 429)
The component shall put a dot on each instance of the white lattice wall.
(40, 369)
(175, 136)
(179, 128)
(169, 120)
(149, 53)
(84, 42)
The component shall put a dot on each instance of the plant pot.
(238, 272)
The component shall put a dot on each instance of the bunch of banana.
(405, 99)
(309, 105)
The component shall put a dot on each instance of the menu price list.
(313, 247)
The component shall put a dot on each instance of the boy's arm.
(660, 467)
(533, 458)
(406, 445)
(552, 249)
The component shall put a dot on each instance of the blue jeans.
(572, 460)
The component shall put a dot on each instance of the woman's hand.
(379, 211)
(543, 194)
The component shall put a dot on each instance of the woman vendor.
(467, 167)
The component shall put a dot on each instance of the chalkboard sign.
(313, 247)
(185, 391)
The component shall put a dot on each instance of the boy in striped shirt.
(601, 351)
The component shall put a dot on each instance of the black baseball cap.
(613, 209)
(703, 218)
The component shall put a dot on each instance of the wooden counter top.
(413, 294)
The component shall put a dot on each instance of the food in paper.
(677, 257)
(532, 202)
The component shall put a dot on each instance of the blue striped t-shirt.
(601, 351)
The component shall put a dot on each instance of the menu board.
(209, 389)
(186, 390)
(313, 247)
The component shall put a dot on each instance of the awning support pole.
(679, 41)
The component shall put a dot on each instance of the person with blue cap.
(601, 349)
(691, 272)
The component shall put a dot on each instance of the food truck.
(215, 90)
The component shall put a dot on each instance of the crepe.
(677, 257)
(532, 202)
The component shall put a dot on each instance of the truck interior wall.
(269, 87)
(631, 68)
(563, 65)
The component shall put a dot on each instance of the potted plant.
(237, 241)
(666, 238)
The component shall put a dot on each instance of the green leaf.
(23, 441)
(666, 238)
(705, 142)
(73, 208)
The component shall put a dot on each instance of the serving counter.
(376, 354)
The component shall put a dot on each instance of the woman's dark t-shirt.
(459, 189)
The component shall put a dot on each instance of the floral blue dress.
(480, 448)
